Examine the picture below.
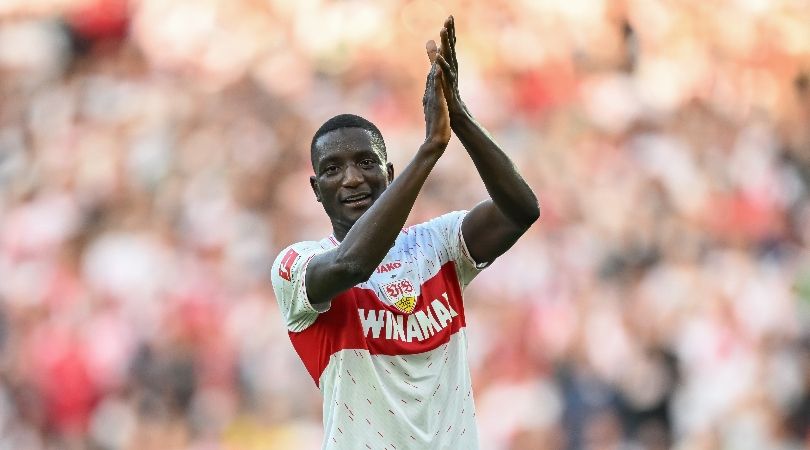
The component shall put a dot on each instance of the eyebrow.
(369, 152)
(364, 153)
(327, 160)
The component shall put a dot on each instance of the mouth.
(357, 200)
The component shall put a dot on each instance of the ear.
(390, 169)
(314, 185)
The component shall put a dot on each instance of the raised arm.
(494, 225)
(370, 238)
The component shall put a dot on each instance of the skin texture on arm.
(494, 225)
(344, 172)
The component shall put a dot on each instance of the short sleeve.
(448, 229)
(288, 274)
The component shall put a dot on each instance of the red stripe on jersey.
(341, 328)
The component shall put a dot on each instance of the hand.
(446, 59)
(437, 118)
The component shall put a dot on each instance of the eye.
(367, 163)
(330, 169)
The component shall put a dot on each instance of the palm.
(437, 118)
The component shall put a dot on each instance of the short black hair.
(349, 121)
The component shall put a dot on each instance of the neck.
(340, 230)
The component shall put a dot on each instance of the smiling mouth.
(357, 200)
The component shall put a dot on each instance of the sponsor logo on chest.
(421, 325)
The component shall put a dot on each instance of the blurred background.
(154, 160)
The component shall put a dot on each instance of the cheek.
(326, 187)
(381, 175)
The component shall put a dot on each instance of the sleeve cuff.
(466, 252)
(305, 296)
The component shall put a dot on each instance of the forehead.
(345, 142)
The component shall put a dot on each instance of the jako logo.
(387, 267)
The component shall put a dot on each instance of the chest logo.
(400, 293)
(387, 267)
(406, 304)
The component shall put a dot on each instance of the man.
(375, 311)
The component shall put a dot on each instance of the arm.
(371, 237)
(494, 225)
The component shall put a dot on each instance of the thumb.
(432, 50)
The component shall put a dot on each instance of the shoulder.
(299, 248)
(441, 223)
(290, 258)
(438, 236)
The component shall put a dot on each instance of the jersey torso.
(390, 354)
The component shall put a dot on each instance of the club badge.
(400, 293)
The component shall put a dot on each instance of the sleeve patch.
(285, 268)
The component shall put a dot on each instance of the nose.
(352, 177)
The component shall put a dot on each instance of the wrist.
(431, 149)
(459, 114)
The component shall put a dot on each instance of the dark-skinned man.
(375, 311)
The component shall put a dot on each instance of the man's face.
(350, 174)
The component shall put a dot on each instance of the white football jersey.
(390, 354)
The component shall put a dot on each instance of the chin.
(354, 216)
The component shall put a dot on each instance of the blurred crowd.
(154, 160)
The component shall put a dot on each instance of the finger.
(432, 50)
(451, 32)
(449, 89)
(447, 71)
(438, 83)
(446, 50)
(434, 78)
(428, 85)
(444, 33)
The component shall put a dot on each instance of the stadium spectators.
(152, 165)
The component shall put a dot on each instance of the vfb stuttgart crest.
(401, 294)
